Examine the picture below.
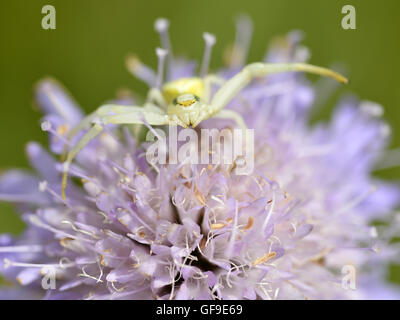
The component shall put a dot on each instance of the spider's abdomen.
(175, 88)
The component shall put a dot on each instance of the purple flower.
(129, 230)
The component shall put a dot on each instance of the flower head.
(129, 229)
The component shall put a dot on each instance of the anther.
(42, 186)
(161, 25)
(209, 40)
(47, 127)
(373, 232)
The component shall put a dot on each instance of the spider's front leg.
(109, 109)
(122, 117)
(233, 86)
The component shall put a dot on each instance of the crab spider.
(184, 102)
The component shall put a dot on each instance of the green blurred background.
(86, 52)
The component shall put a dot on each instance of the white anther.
(42, 186)
(34, 219)
(161, 25)
(46, 125)
(386, 131)
(373, 232)
(7, 263)
(302, 54)
(161, 53)
(209, 40)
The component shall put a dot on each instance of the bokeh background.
(86, 53)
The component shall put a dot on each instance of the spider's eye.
(186, 100)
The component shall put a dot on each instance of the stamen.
(35, 220)
(373, 232)
(76, 229)
(161, 25)
(217, 225)
(271, 209)
(172, 275)
(116, 289)
(85, 274)
(22, 249)
(8, 263)
(244, 31)
(141, 71)
(230, 246)
(43, 187)
(46, 126)
(161, 54)
(209, 40)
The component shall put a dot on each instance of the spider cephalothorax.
(184, 98)
(185, 101)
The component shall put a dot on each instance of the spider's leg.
(96, 129)
(210, 80)
(233, 115)
(150, 107)
(233, 86)
(103, 111)
(138, 117)
(135, 117)
(90, 135)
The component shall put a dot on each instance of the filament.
(209, 40)
(161, 54)
(161, 25)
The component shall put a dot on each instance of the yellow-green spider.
(184, 102)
